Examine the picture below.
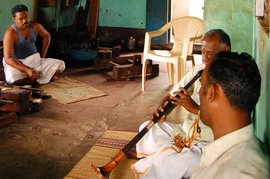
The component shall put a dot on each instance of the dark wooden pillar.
(93, 18)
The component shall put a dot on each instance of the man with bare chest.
(22, 62)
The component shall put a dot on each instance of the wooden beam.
(93, 18)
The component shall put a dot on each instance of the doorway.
(159, 12)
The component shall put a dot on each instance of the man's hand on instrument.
(183, 98)
(161, 109)
(32, 74)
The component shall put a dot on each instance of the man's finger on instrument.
(162, 119)
(165, 104)
(161, 109)
(156, 113)
(183, 90)
(176, 102)
(178, 94)
(173, 99)
(182, 96)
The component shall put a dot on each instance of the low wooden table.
(129, 66)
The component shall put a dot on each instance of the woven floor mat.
(67, 90)
(101, 153)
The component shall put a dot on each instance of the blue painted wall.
(112, 13)
(238, 19)
(5, 14)
(122, 13)
(156, 17)
(262, 41)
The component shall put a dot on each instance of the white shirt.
(235, 155)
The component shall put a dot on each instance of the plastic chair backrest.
(184, 28)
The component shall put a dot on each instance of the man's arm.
(185, 99)
(46, 38)
(8, 42)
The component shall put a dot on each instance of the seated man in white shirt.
(162, 158)
(230, 90)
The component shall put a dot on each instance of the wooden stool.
(103, 58)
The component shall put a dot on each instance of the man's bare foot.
(54, 78)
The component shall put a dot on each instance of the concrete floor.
(48, 143)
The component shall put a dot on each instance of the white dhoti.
(46, 67)
(163, 160)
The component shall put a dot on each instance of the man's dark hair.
(239, 76)
(18, 8)
(222, 35)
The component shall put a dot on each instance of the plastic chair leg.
(170, 72)
(144, 67)
(180, 68)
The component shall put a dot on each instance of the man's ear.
(227, 48)
(212, 90)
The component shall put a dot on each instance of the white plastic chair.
(185, 31)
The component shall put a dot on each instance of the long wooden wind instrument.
(104, 172)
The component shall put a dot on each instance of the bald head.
(214, 41)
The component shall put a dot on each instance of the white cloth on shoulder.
(45, 66)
